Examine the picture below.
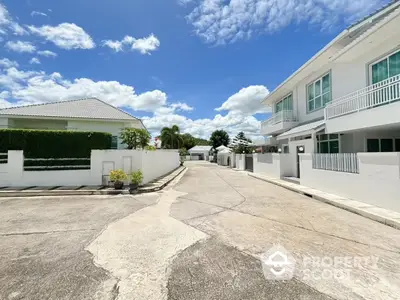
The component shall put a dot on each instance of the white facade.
(152, 163)
(347, 61)
(355, 83)
(200, 153)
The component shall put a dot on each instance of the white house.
(89, 114)
(200, 152)
(345, 99)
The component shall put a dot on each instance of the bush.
(53, 143)
(118, 175)
(137, 177)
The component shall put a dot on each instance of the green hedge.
(53, 143)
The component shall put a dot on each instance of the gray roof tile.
(89, 108)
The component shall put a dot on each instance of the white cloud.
(115, 45)
(34, 61)
(65, 35)
(38, 13)
(247, 101)
(18, 29)
(146, 45)
(143, 45)
(7, 23)
(20, 46)
(220, 22)
(185, 2)
(128, 40)
(6, 63)
(47, 53)
(34, 86)
(3, 102)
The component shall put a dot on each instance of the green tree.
(219, 138)
(242, 144)
(201, 142)
(135, 138)
(171, 138)
(188, 141)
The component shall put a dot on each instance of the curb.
(381, 215)
(142, 190)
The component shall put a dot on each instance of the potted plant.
(118, 177)
(136, 180)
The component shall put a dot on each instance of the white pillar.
(15, 167)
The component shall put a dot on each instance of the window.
(284, 104)
(385, 68)
(319, 93)
(383, 145)
(328, 143)
(114, 142)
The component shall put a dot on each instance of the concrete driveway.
(204, 237)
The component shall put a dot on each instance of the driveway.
(203, 237)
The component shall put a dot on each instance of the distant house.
(200, 152)
(88, 114)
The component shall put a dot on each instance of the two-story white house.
(336, 120)
(344, 99)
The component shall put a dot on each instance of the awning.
(305, 129)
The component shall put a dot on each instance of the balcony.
(279, 122)
(374, 106)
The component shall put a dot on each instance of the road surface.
(204, 237)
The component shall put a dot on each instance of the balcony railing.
(279, 117)
(380, 93)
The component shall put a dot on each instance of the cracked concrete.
(42, 243)
(138, 249)
(200, 239)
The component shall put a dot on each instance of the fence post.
(15, 166)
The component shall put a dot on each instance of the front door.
(299, 150)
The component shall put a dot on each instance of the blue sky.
(201, 64)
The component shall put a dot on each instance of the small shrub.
(137, 177)
(150, 148)
(118, 175)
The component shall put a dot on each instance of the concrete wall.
(240, 162)
(152, 163)
(275, 165)
(378, 182)
(38, 124)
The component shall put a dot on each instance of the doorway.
(299, 150)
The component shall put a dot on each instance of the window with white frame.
(319, 93)
(385, 68)
(328, 143)
(284, 104)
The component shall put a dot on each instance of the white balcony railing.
(374, 95)
(279, 117)
(339, 162)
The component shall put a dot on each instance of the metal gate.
(249, 162)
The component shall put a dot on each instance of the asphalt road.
(204, 237)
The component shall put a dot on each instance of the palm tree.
(171, 138)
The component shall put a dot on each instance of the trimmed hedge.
(53, 143)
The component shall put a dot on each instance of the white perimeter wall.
(152, 163)
(275, 165)
(240, 162)
(378, 182)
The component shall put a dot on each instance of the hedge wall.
(53, 143)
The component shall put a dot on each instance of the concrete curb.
(42, 193)
(381, 215)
